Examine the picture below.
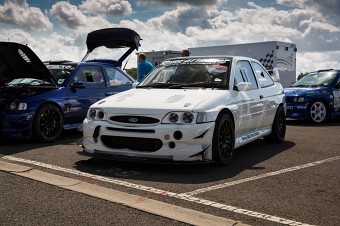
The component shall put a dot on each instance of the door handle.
(261, 96)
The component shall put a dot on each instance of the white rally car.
(195, 109)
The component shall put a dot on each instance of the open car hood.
(113, 38)
(19, 61)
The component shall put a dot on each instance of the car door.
(249, 102)
(118, 80)
(266, 84)
(87, 87)
(336, 94)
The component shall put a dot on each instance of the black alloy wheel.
(223, 140)
(278, 128)
(48, 123)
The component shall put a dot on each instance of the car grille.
(290, 99)
(132, 143)
(134, 119)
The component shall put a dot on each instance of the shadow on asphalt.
(9, 146)
(306, 123)
(246, 157)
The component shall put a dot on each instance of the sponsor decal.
(251, 135)
(193, 61)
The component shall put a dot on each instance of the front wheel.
(317, 112)
(278, 128)
(48, 123)
(223, 140)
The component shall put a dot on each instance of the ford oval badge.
(133, 120)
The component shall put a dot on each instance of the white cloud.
(313, 61)
(63, 47)
(181, 2)
(74, 19)
(18, 12)
(110, 7)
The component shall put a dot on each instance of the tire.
(47, 123)
(223, 140)
(317, 112)
(278, 128)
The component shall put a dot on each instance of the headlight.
(20, 106)
(188, 117)
(173, 117)
(96, 114)
(299, 99)
(178, 118)
(12, 106)
(201, 117)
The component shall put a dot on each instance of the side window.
(262, 75)
(116, 77)
(92, 76)
(244, 73)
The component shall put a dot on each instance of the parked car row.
(188, 109)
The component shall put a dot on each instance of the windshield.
(28, 82)
(61, 72)
(202, 73)
(316, 79)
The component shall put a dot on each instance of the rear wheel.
(47, 123)
(223, 140)
(317, 112)
(278, 128)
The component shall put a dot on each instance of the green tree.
(301, 75)
(132, 72)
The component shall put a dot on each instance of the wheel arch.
(52, 103)
(229, 112)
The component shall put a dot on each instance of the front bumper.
(297, 110)
(163, 142)
(16, 124)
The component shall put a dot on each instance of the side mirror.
(243, 86)
(78, 85)
(134, 85)
(275, 75)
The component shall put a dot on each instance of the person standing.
(144, 67)
(185, 53)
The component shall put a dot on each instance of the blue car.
(36, 102)
(315, 97)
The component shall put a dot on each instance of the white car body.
(136, 124)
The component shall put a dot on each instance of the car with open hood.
(315, 97)
(193, 109)
(38, 100)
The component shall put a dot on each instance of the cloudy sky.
(57, 29)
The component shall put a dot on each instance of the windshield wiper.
(194, 84)
(158, 85)
(299, 86)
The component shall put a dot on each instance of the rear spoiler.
(113, 38)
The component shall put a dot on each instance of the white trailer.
(281, 55)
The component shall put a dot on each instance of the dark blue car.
(35, 103)
(315, 97)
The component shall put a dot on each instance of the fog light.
(178, 135)
(172, 145)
